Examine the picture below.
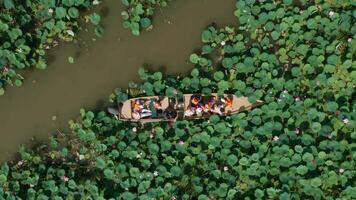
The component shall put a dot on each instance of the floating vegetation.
(29, 28)
(138, 14)
(297, 58)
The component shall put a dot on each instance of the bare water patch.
(49, 98)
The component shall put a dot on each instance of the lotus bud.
(341, 170)
(226, 168)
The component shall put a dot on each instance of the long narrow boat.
(192, 106)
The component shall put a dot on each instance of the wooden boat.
(170, 109)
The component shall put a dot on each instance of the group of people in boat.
(200, 105)
(142, 108)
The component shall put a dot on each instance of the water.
(49, 98)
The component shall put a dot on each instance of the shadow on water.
(101, 66)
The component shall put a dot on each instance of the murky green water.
(101, 66)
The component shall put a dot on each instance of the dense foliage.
(138, 13)
(297, 58)
(29, 28)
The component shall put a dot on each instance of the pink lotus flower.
(64, 178)
(134, 129)
(341, 170)
(174, 198)
(297, 98)
(226, 168)
(297, 131)
(181, 142)
(349, 40)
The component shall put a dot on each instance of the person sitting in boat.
(189, 112)
(217, 110)
(199, 111)
(145, 113)
(195, 100)
(136, 115)
(227, 102)
(157, 105)
(137, 106)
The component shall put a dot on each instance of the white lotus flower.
(331, 13)
(96, 2)
(155, 173)
(70, 32)
(346, 121)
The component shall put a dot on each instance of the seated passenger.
(217, 110)
(228, 102)
(189, 112)
(195, 101)
(136, 115)
(199, 111)
(145, 113)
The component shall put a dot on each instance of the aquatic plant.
(138, 14)
(29, 28)
(299, 145)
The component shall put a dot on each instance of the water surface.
(101, 66)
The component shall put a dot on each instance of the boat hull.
(239, 104)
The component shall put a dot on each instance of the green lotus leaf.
(232, 160)
(203, 197)
(73, 12)
(109, 174)
(68, 2)
(302, 170)
(145, 22)
(9, 4)
(100, 163)
(244, 161)
(194, 58)
(219, 75)
(95, 19)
